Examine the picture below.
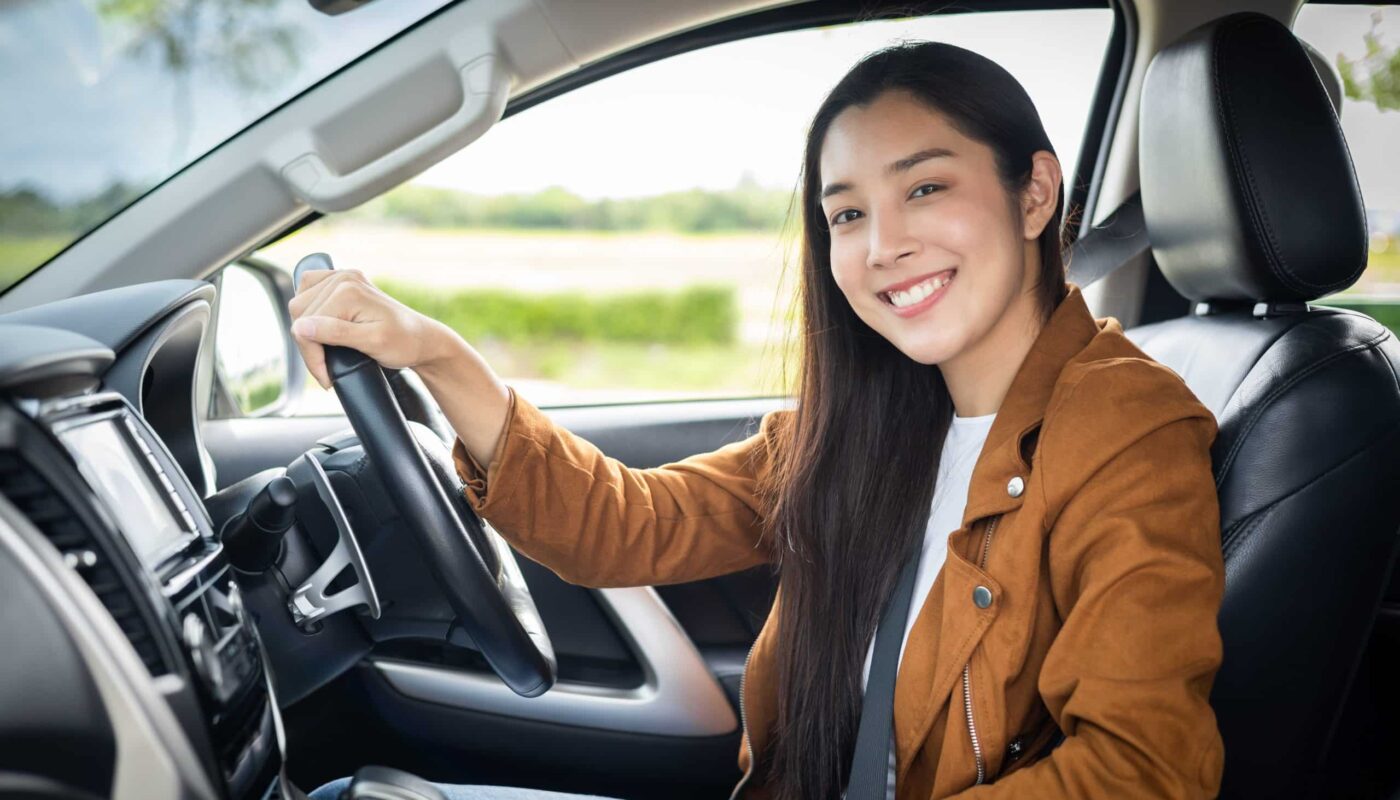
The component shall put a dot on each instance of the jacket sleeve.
(596, 522)
(1138, 577)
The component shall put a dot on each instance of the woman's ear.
(1041, 195)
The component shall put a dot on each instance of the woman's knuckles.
(345, 308)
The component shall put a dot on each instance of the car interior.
(203, 603)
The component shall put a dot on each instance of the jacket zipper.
(967, 671)
(967, 693)
(744, 727)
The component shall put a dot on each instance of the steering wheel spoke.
(310, 603)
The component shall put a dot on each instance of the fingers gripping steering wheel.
(496, 610)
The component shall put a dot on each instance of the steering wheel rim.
(496, 610)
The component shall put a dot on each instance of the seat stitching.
(1393, 377)
(1263, 404)
(1242, 532)
(1254, 203)
(1239, 162)
(1238, 536)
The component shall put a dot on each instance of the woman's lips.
(924, 304)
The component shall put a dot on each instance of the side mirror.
(257, 368)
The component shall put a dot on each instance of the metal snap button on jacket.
(982, 596)
(1015, 486)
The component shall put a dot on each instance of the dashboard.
(161, 610)
(140, 671)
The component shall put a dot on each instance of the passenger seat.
(1253, 211)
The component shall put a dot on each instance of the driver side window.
(632, 240)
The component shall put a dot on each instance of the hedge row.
(695, 315)
(1386, 313)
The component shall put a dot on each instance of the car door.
(620, 250)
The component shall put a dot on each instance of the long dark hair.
(851, 488)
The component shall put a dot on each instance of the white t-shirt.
(966, 435)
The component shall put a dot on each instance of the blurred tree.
(746, 208)
(243, 41)
(1376, 75)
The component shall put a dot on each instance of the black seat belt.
(871, 762)
(1119, 240)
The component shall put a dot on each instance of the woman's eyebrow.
(909, 161)
(902, 165)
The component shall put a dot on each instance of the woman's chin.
(927, 353)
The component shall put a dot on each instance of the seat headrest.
(1247, 185)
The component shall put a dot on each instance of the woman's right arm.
(554, 496)
(597, 522)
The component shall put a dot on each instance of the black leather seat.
(1253, 210)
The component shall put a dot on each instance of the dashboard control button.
(202, 654)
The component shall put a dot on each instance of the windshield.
(106, 99)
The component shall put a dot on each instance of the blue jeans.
(332, 790)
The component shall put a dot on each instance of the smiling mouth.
(913, 295)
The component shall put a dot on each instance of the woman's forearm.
(471, 395)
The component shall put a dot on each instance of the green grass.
(255, 396)
(676, 341)
(19, 255)
(1383, 306)
(1386, 312)
(694, 315)
(1384, 267)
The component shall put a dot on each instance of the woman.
(958, 405)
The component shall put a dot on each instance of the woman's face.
(927, 245)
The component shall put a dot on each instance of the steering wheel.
(493, 605)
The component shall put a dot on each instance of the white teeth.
(917, 292)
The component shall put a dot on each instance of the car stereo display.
(122, 478)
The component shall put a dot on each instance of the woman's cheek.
(952, 227)
(846, 267)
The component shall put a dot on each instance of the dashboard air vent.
(47, 510)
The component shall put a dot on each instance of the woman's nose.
(890, 241)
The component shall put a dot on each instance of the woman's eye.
(925, 190)
(848, 215)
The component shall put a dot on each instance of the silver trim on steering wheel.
(679, 697)
(310, 601)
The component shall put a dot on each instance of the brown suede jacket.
(1092, 518)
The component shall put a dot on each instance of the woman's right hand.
(342, 307)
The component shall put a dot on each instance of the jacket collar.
(1068, 331)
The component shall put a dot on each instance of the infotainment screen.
(116, 472)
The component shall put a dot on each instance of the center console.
(96, 481)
